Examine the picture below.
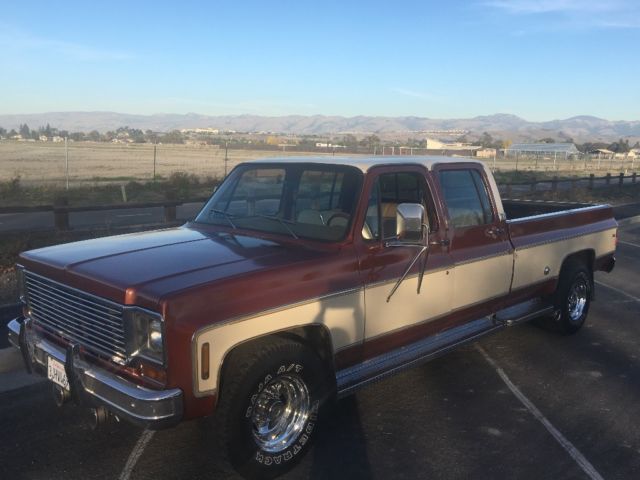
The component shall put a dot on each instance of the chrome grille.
(90, 321)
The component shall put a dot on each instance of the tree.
(547, 140)
(370, 141)
(24, 131)
(621, 146)
(173, 136)
(486, 140)
(349, 140)
(150, 137)
(78, 136)
(3, 132)
(93, 136)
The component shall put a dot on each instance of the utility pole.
(226, 156)
(154, 162)
(66, 160)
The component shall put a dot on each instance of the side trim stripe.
(566, 237)
(402, 358)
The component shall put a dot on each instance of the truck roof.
(364, 163)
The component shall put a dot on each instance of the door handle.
(440, 243)
(495, 231)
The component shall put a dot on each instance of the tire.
(572, 299)
(277, 388)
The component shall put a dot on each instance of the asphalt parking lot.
(524, 403)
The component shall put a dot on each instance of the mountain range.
(580, 128)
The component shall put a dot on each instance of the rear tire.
(272, 398)
(572, 300)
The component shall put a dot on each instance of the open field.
(93, 163)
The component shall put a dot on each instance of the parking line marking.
(566, 444)
(621, 292)
(135, 454)
(629, 243)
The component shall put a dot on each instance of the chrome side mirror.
(410, 227)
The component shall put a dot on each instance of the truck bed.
(544, 234)
(515, 209)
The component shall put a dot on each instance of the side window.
(466, 198)
(390, 190)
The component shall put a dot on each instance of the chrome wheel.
(577, 300)
(280, 412)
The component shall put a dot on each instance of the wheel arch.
(315, 336)
(584, 257)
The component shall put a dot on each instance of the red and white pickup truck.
(300, 279)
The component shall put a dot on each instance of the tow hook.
(60, 395)
(101, 416)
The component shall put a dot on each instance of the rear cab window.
(466, 197)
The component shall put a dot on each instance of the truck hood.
(141, 268)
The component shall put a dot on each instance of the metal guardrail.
(61, 212)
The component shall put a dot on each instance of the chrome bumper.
(149, 408)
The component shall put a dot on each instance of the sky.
(541, 60)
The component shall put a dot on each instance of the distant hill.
(581, 128)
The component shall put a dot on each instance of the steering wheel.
(337, 215)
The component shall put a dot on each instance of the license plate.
(56, 373)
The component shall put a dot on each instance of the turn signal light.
(204, 361)
(151, 371)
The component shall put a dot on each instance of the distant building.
(602, 153)
(550, 150)
(328, 145)
(210, 131)
(486, 153)
(57, 139)
(44, 138)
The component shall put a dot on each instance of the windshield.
(299, 200)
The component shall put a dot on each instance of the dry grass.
(90, 162)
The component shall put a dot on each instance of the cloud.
(573, 14)
(414, 94)
(19, 40)
(553, 6)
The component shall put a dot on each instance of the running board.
(523, 312)
(382, 366)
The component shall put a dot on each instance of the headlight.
(144, 335)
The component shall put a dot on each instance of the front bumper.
(152, 409)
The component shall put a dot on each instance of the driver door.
(407, 315)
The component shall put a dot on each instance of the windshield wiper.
(226, 215)
(281, 221)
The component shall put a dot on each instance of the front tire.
(271, 401)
